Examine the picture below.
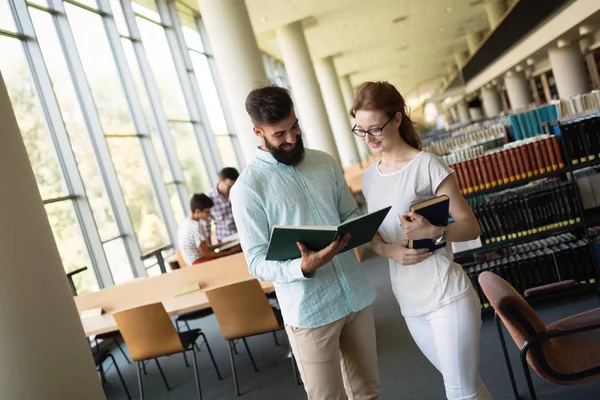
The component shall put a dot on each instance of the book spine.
(534, 165)
(468, 177)
(459, 176)
(502, 166)
(508, 162)
(539, 158)
(526, 160)
(495, 165)
(514, 162)
(478, 174)
(484, 173)
(491, 171)
(545, 156)
(551, 154)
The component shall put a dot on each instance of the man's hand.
(400, 253)
(313, 260)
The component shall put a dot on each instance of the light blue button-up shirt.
(269, 193)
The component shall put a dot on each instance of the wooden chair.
(565, 352)
(149, 334)
(180, 260)
(243, 310)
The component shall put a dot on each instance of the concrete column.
(459, 58)
(463, 112)
(305, 86)
(569, 69)
(492, 104)
(348, 94)
(494, 10)
(234, 46)
(518, 90)
(44, 353)
(473, 39)
(475, 113)
(338, 117)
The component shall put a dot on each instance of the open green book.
(282, 244)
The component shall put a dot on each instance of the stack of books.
(489, 136)
(525, 210)
(581, 139)
(529, 123)
(579, 106)
(515, 161)
(588, 183)
(537, 263)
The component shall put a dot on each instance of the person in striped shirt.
(221, 211)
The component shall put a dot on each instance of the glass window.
(22, 92)
(128, 159)
(101, 71)
(6, 19)
(43, 3)
(209, 93)
(227, 151)
(119, 17)
(189, 28)
(178, 211)
(147, 8)
(186, 145)
(71, 245)
(75, 124)
(163, 68)
(118, 261)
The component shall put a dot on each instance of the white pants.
(449, 338)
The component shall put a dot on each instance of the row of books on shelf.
(588, 183)
(537, 263)
(580, 138)
(489, 135)
(516, 161)
(579, 106)
(525, 210)
(529, 123)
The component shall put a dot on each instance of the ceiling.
(369, 42)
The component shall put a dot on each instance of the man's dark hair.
(268, 105)
(229, 173)
(200, 201)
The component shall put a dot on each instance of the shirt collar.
(265, 156)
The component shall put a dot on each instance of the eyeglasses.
(373, 131)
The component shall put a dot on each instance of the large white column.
(492, 104)
(44, 353)
(518, 90)
(463, 112)
(494, 10)
(238, 60)
(307, 94)
(473, 39)
(338, 118)
(348, 94)
(569, 69)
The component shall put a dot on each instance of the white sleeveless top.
(436, 281)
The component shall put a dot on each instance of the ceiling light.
(519, 68)
(263, 19)
(585, 30)
(442, 30)
(530, 61)
(448, 9)
(562, 43)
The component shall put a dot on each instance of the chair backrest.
(242, 309)
(180, 260)
(148, 332)
(519, 318)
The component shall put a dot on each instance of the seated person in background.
(221, 212)
(191, 239)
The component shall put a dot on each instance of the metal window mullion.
(221, 93)
(164, 130)
(150, 158)
(62, 144)
(193, 102)
(97, 139)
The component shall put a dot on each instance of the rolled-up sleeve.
(253, 229)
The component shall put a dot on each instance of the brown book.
(495, 167)
(484, 174)
(526, 161)
(534, 165)
(508, 163)
(459, 176)
(550, 150)
(468, 178)
(557, 153)
(512, 153)
(539, 158)
(502, 166)
(480, 184)
(489, 167)
(520, 162)
(545, 155)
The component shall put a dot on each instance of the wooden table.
(209, 275)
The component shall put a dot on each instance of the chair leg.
(528, 375)
(295, 369)
(163, 374)
(120, 376)
(187, 325)
(235, 348)
(187, 364)
(506, 358)
(196, 376)
(233, 371)
(139, 376)
(275, 337)
(144, 367)
(212, 357)
(250, 354)
(122, 351)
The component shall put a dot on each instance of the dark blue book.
(436, 211)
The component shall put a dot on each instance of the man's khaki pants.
(339, 355)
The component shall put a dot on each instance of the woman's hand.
(417, 227)
(402, 255)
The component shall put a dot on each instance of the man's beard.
(288, 157)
